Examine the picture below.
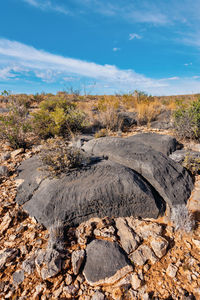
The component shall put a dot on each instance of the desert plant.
(57, 157)
(192, 164)
(57, 117)
(187, 120)
(182, 219)
(15, 126)
(101, 133)
(108, 113)
(56, 236)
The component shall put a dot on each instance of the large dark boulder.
(105, 188)
(170, 179)
(159, 142)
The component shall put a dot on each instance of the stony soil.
(176, 275)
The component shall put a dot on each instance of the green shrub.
(57, 117)
(15, 126)
(187, 120)
(192, 164)
(57, 157)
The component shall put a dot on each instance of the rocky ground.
(165, 264)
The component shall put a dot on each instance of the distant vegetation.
(31, 118)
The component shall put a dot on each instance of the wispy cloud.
(47, 5)
(188, 64)
(115, 49)
(133, 36)
(50, 67)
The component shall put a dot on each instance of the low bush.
(192, 164)
(15, 126)
(108, 113)
(187, 120)
(57, 117)
(57, 157)
(182, 219)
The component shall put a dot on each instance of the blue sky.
(100, 46)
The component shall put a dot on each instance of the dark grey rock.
(103, 189)
(163, 143)
(18, 277)
(29, 171)
(4, 171)
(162, 121)
(180, 155)
(170, 180)
(104, 260)
(127, 119)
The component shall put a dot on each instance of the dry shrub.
(182, 219)
(192, 164)
(58, 157)
(108, 112)
(147, 111)
(56, 236)
(15, 126)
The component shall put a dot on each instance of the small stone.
(98, 296)
(29, 265)
(80, 278)
(5, 223)
(135, 282)
(133, 294)
(68, 279)
(105, 232)
(38, 290)
(77, 260)
(12, 237)
(144, 229)
(16, 152)
(5, 156)
(146, 267)
(129, 240)
(171, 270)
(70, 290)
(145, 296)
(57, 293)
(159, 246)
(142, 254)
(4, 171)
(196, 242)
(48, 263)
(18, 277)
(7, 256)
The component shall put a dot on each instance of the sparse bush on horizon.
(187, 120)
(15, 126)
(57, 117)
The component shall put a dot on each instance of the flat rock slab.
(165, 144)
(104, 189)
(105, 263)
(169, 179)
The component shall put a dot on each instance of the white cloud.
(173, 78)
(51, 67)
(188, 64)
(115, 49)
(47, 5)
(134, 36)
